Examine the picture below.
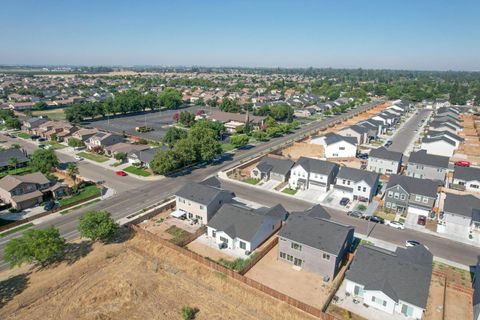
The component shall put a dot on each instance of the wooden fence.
(235, 275)
(259, 256)
(168, 204)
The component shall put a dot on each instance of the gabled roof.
(466, 173)
(322, 234)
(424, 187)
(384, 153)
(316, 165)
(276, 165)
(332, 138)
(465, 205)
(6, 155)
(357, 128)
(358, 175)
(402, 275)
(200, 193)
(317, 211)
(146, 155)
(437, 139)
(446, 133)
(240, 222)
(422, 157)
(11, 182)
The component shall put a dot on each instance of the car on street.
(463, 163)
(355, 213)
(375, 219)
(396, 225)
(422, 220)
(78, 158)
(411, 243)
(50, 205)
(388, 143)
(120, 173)
(344, 201)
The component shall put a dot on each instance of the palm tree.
(13, 162)
(72, 171)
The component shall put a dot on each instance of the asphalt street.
(440, 247)
(137, 198)
(405, 135)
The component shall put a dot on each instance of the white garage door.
(418, 211)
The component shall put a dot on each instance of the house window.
(425, 200)
(341, 148)
(214, 234)
(326, 256)
(418, 198)
(283, 255)
(224, 240)
(296, 246)
(388, 205)
(344, 181)
(394, 205)
(243, 245)
(364, 189)
(358, 291)
(289, 258)
(297, 262)
(402, 197)
(379, 301)
(202, 207)
(190, 216)
(390, 194)
(359, 188)
(474, 186)
(397, 195)
(407, 310)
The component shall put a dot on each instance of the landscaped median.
(85, 193)
(137, 171)
(93, 156)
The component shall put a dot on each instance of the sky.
(377, 34)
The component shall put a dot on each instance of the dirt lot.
(458, 305)
(123, 281)
(435, 299)
(301, 285)
(163, 222)
(299, 149)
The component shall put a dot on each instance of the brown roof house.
(26, 191)
(60, 129)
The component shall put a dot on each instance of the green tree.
(239, 140)
(13, 123)
(40, 105)
(186, 152)
(170, 98)
(97, 225)
(172, 135)
(39, 246)
(206, 143)
(75, 143)
(216, 126)
(259, 135)
(187, 118)
(13, 162)
(120, 156)
(72, 171)
(44, 161)
(164, 162)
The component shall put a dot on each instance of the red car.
(422, 220)
(121, 173)
(462, 163)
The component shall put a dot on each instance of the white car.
(78, 158)
(411, 243)
(396, 225)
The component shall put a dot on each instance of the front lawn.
(93, 156)
(18, 171)
(289, 191)
(251, 181)
(137, 171)
(55, 145)
(227, 147)
(22, 135)
(86, 192)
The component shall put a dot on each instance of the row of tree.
(123, 103)
(10, 119)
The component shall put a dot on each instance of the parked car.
(375, 219)
(50, 205)
(41, 139)
(412, 243)
(120, 173)
(363, 156)
(78, 158)
(344, 201)
(463, 163)
(34, 137)
(396, 225)
(355, 213)
(388, 143)
(422, 220)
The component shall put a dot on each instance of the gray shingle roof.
(465, 205)
(332, 138)
(384, 153)
(438, 138)
(322, 234)
(317, 211)
(239, 222)
(466, 173)
(6, 155)
(422, 157)
(402, 275)
(448, 134)
(358, 175)
(276, 165)
(316, 165)
(199, 193)
(424, 187)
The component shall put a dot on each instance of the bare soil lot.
(138, 279)
(301, 285)
(303, 149)
(158, 120)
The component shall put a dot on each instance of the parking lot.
(158, 120)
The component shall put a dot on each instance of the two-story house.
(423, 165)
(466, 179)
(337, 146)
(395, 282)
(242, 228)
(200, 202)
(461, 216)
(101, 140)
(357, 184)
(25, 191)
(315, 174)
(6, 156)
(316, 245)
(356, 131)
(414, 196)
(32, 123)
(384, 161)
(272, 168)
(439, 145)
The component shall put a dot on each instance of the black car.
(34, 137)
(355, 213)
(50, 205)
(388, 144)
(376, 219)
(344, 201)
(363, 156)
(42, 139)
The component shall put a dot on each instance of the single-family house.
(384, 161)
(200, 202)
(414, 196)
(272, 168)
(357, 184)
(314, 244)
(84, 134)
(395, 282)
(123, 147)
(337, 146)
(102, 140)
(32, 123)
(423, 165)
(445, 126)
(7, 156)
(466, 179)
(356, 131)
(241, 228)
(143, 157)
(452, 136)
(439, 145)
(461, 216)
(315, 174)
